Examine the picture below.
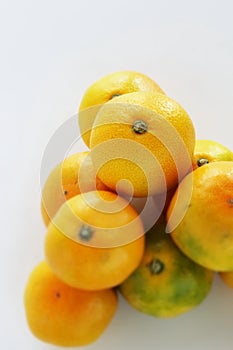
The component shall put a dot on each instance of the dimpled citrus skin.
(75, 174)
(113, 251)
(205, 231)
(210, 151)
(166, 283)
(106, 88)
(120, 153)
(61, 315)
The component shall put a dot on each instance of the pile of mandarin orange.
(145, 211)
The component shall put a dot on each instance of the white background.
(51, 51)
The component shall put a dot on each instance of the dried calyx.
(139, 127)
(156, 266)
(85, 233)
(202, 161)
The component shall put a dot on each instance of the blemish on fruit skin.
(226, 236)
(230, 202)
(65, 192)
(85, 233)
(202, 161)
(58, 295)
(156, 266)
(139, 127)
